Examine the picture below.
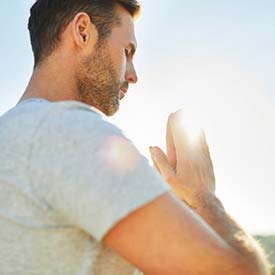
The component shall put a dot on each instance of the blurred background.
(216, 57)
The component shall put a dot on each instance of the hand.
(187, 168)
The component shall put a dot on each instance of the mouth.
(122, 92)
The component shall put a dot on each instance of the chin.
(111, 109)
(107, 109)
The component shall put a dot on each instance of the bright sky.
(217, 57)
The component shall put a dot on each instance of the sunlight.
(120, 156)
(192, 124)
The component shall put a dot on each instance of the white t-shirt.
(67, 176)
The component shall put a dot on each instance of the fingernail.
(154, 150)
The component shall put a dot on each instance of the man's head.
(97, 36)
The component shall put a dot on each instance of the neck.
(54, 81)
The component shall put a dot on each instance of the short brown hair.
(49, 18)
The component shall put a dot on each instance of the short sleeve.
(89, 172)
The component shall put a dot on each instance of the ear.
(84, 31)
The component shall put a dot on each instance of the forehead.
(125, 32)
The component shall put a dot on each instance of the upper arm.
(95, 179)
(166, 237)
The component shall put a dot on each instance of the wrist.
(203, 202)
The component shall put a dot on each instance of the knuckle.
(171, 178)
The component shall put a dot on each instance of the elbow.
(250, 266)
(258, 267)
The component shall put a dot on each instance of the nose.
(131, 75)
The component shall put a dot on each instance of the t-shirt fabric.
(67, 176)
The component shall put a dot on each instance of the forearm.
(188, 169)
(212, 211)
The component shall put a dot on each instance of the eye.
(127, 52)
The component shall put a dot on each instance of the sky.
(215, 57)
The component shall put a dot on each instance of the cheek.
(123, 65)
(120, 63)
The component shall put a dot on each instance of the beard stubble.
(97, 81)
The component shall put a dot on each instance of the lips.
(123, 89)
(122, 94)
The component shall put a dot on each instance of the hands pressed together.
(187, 167)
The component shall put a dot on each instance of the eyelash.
(127, 53)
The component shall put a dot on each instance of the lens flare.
(192, 124)
(119, 154)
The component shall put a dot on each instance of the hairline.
(115, 21)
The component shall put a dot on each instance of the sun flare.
(191, 123)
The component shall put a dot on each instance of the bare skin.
(57, 77)
(188, 169)
(165, 236)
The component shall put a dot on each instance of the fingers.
(161, 162)
(155, 165)
(170, 146)
(185, 139)
(176, 140)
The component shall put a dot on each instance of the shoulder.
(72, 130)
(72, 135)
(76, 119)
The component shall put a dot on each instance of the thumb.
(161, 162)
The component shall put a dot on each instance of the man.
(76, 195)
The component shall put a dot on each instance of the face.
(105, 73)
